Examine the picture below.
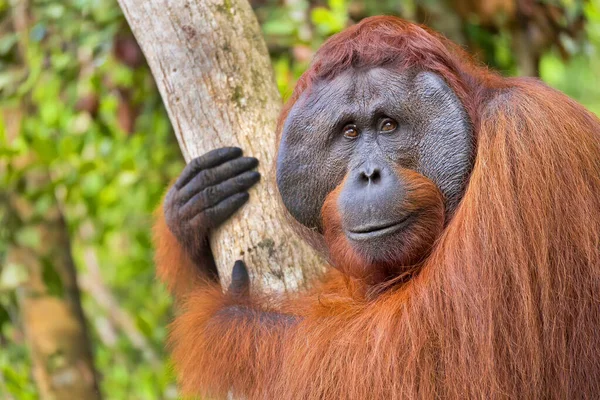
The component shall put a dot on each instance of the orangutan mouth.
(373, 231)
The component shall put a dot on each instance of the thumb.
(240, 280)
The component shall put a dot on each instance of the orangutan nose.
(370, 174)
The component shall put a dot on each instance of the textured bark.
(212, 68)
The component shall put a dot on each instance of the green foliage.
(330, 20)
(579, 76)
(107, 181)
(71, 93)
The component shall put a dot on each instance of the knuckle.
(226, 188)
(195, 163)
(198, 201)
(193, 206)
(206, 176)
(211, 217)
(210, 193)
(234, 186)
(201, 179)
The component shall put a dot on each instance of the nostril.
(376, 176)
(371, 175)
(364, 177)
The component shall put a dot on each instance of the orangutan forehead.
(354, 85)
(372, 91)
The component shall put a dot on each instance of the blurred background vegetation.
(86, 150)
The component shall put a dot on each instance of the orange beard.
(398, 255)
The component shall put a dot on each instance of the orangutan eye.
(350, 131)
(388, 125)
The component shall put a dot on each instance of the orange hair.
(507, 304)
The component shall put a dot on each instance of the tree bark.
(213, 71)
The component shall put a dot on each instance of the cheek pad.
(307, 171)
(299, 183)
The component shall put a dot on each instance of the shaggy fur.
(506, 304)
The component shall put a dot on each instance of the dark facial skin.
(364, 127)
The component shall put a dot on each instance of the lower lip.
(358, 236)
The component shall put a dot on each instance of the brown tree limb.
(212, 68)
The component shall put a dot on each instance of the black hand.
(210, 189)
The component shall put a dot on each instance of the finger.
(213, 176)
(213, 195)
(215, 216)
(209, 160)
(240, 280)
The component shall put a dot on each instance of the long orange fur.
(506, 305)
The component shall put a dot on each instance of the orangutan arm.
(224, 342)
(227, 343)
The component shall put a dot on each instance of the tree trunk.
(212, 68)
(53, 320)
